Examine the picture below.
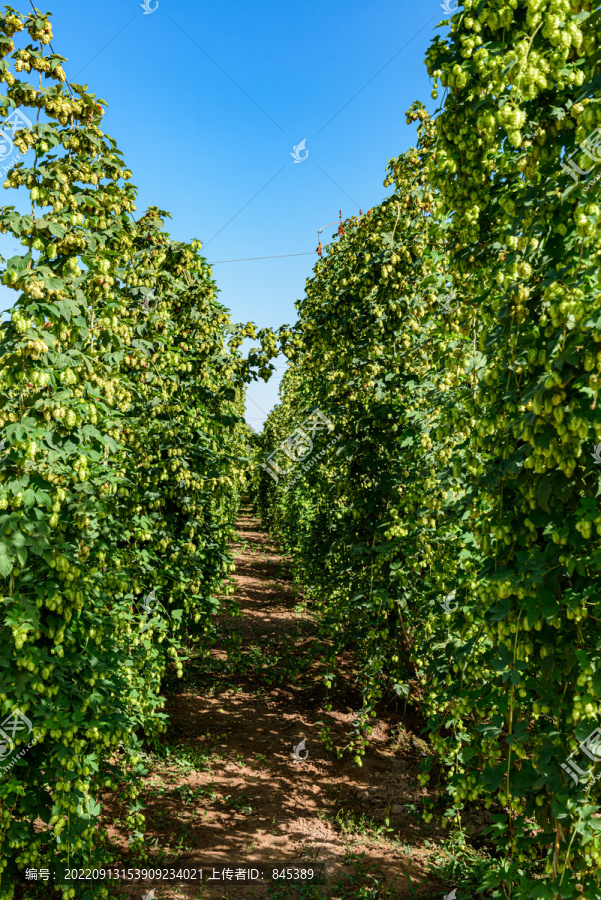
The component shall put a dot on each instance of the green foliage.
(121, 400)
(454, 338)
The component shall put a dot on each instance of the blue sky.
(207, 101)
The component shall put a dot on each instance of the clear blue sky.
(207, 101)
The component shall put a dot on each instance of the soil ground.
(226, 790)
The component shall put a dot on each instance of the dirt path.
(227, 791)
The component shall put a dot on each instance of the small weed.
(466, 869)
(351, 825)
(186, 758)
(156, 855)
(187, 794)
(181, 844)
(240, 804)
